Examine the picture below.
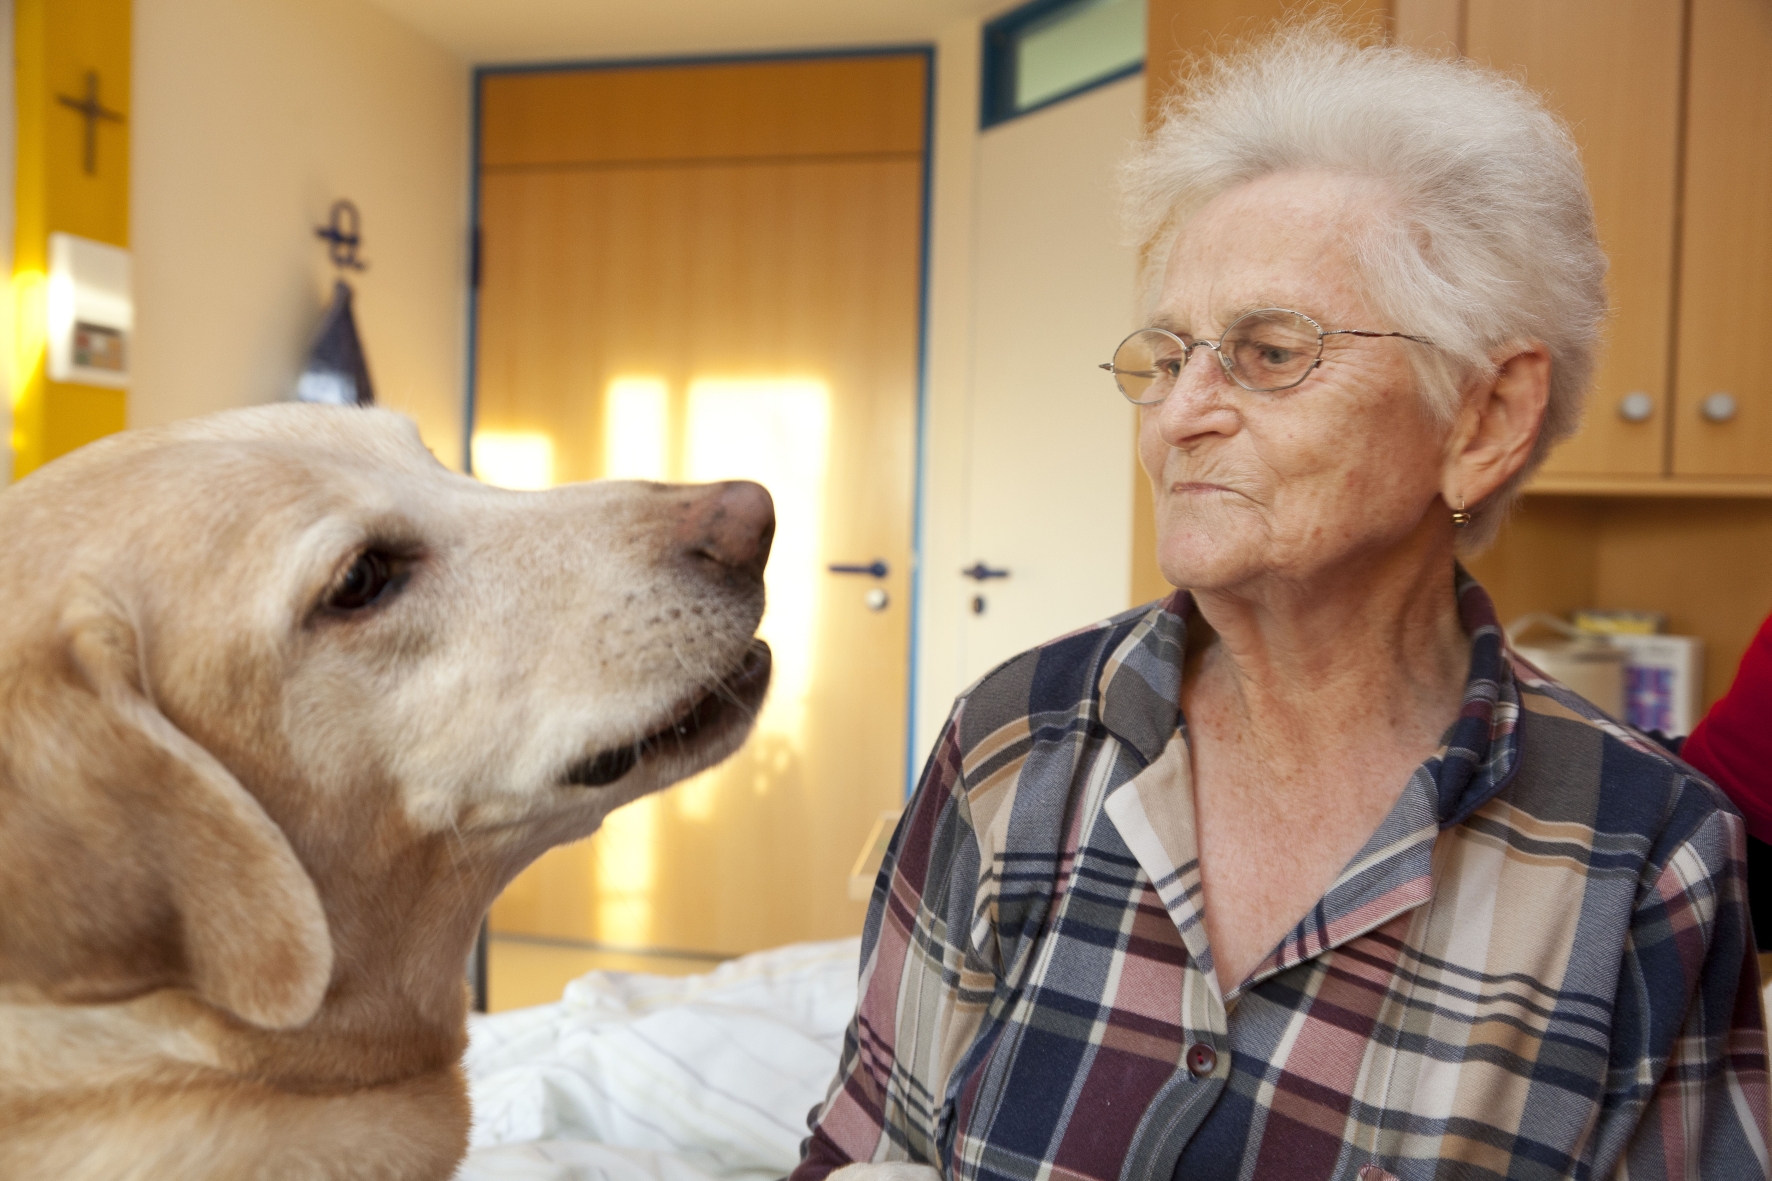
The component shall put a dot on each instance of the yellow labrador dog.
(283, 705)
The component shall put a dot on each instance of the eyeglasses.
(1264, 351)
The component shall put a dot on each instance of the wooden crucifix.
(92, 111)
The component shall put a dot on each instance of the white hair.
(1488, 239)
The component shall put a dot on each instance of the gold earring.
(1460, 518)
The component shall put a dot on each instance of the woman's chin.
(1206, 562)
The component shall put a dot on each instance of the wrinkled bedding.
(657, 1078)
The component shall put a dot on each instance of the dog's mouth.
(734, 701)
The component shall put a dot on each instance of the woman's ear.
(131, 859)
(1498, 423)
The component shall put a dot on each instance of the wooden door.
(696, 273)
(1725, 327)
(1612, 69)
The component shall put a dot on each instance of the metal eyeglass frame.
(1187, 352)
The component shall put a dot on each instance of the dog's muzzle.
(733, 702)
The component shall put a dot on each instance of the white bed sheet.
(658, 1078)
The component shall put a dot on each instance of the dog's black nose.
(731, 525)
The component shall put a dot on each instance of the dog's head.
(275, 686)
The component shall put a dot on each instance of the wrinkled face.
(1286, 484)
(366, 639)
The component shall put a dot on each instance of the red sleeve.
(1733, 742)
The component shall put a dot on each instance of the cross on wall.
(91, 110)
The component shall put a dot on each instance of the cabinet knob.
(1718, 407)
(1636, 406)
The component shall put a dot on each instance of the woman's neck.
(1375, 642)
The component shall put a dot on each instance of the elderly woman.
(1301, 873)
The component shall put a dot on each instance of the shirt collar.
(1140, 692)
(1139, 688)
(1481, 750)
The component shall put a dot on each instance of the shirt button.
(1201, 1059)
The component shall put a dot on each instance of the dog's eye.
(363, 583)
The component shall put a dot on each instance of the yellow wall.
(56, 43)
(250, 118)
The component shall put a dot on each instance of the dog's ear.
(149, 865)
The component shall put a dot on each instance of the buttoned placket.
(1154, 814)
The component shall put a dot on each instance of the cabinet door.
(1725, 328)
(1612, 69)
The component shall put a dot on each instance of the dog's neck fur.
(398, 993)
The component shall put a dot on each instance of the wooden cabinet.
(1612, 69)
(1725, 320)
(1672, 104)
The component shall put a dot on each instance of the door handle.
(877, 568)
(980, 572)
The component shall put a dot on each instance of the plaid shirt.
(1538, 967)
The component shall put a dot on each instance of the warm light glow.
(636, 430)
(25, 342)
(520, 460)
(26, 321)
(776, 432)
(636, 446)
(627, 869)
(59, 305)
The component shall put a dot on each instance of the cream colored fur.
(246, 839)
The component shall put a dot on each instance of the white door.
(1051, 464)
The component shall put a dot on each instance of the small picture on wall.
(98, 347)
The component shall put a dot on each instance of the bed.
(656, 1078)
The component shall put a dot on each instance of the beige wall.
(948, 363)
(1027, 459)
(1049, 470)
(250, 118)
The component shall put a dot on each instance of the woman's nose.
(1201, 402)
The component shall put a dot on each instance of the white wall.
(250, 117)
(1028, 459)
(1050, 476)
(947, 378)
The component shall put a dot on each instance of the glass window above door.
(1049, 50)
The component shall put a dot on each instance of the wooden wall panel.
(1546, 559)
(1706, 563)
(1434, 25)
(1725, 338)
(826, 106)
(1612, 69)
(1176, 29)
